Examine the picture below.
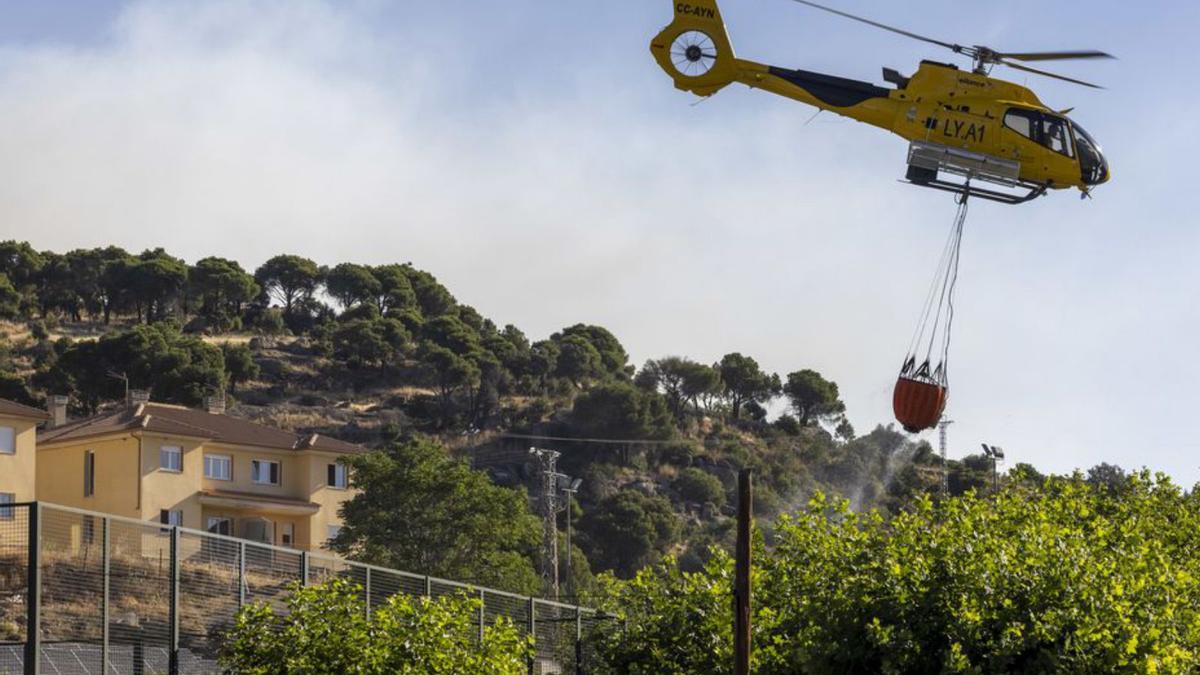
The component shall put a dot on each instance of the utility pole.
(942, 449)
(548, 504)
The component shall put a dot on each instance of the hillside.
(372, 354)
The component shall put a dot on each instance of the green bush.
(326, 630)
(1069, 577)
(696, 485)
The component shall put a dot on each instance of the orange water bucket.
(918, 404)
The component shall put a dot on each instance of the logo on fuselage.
(702, 12)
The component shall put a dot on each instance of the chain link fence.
(90, 594)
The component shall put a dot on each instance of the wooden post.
(741, 580)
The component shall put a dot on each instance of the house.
(196, 468)
(18, 460)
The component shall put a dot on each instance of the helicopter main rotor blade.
(1035, 71)
(1055, 56)
(948, 45)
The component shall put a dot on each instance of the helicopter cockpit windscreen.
(1091, 159)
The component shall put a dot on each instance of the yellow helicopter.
(960, 123)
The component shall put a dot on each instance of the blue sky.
(532, 156)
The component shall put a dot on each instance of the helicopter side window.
(1023, 122)
(1054, 135)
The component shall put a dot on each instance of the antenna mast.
(548, 502)
(942, 451)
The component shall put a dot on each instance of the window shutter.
(331, 480)
(164, 517)
(275, 473)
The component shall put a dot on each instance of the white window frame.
(165, 451)
(332, 531)
(287, 534)
(9, 434)
(341, 476)
(254, 471)
(215, 520)
(7, 512)
(228, 463)
(174, 517)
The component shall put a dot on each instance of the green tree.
(351, 284)
(419, 509)
(223, 288)
(814, 398)
(10, 299)
(395, 290)
(176, 368)
(620, 410)
(327, 629)
(627, 531)
(239, 364)
(370, 342)
(1046, 579)
(578, 360)
(744, 382)
(614, 361)
(22, 265)
(155, 281)
(288, 278)
(432, 297)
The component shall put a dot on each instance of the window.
(172, 518)
(333, 531)
(264, 471)
(170, 458)
(89, 473)
(6, 512)
(1055, 135)
(1048, 130)
(1021, 121)
(219, 525)
(8, 441)
(287, 534)
(218, 467)
(336, 477)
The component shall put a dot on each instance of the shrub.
(326, 630)
(696, 485)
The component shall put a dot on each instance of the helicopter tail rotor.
(695, 49)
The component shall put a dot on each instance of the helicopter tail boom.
(694, 49)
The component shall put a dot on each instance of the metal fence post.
(428, 586)
(241, 574)
(173, 654)
(482, 616)
(106, 559)
(367, 590)
(533, 631)
(304, 568)
(578, 641)
(33, 591)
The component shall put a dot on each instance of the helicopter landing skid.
(969, 190)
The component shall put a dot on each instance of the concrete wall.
(118, 475)
(18, 471)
